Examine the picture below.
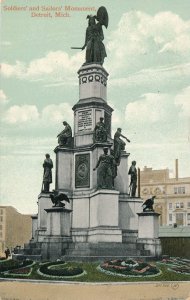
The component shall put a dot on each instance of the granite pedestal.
(148, 232)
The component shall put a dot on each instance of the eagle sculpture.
(148, 204)
(57, 199)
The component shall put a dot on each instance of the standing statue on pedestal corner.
(119, 145)
(65, 136)
(133, 183)
(114, 167)
(95, 49)
(47, 177)
(100, 132)
(105, 170)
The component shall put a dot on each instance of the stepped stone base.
(103, 258)
(24, 257)
(102, 250)
(64, 248)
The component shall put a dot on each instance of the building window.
(1, 211)
(1, 219)
(188, 204)
(179, 205)
(179, 190)
(188, 217)
(1, 227)
(170, 205)
(170, 217)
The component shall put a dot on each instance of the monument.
(99, 219)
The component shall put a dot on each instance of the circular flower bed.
(129, 268)
(9, 265)
(177, 264)
(180, 269)
(60, 270)
(21, 272)
(24, 271)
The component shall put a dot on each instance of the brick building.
(15, 228)
(172, 195)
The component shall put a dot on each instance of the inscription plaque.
(82, 170)
(85, 120)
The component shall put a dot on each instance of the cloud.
(5, 43)
(21, 114)
(117, 116)
(141, 39)
(54, 66)
(150, 108)
(158, 76)
(182, 101)
(3, 97)
(181, 44)
(16, 70)
(57, 113)
(49, 116)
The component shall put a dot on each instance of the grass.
(93, 275)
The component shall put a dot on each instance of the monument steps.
(24, 257)
(32, 245)
(105, 257)
(32, 251)
(102, 249)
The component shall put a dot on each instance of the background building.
(15, 228)
(172, 195)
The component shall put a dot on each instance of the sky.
(148, 61)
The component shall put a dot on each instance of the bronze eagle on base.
(148, 204)
(57, 200)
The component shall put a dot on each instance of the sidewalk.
(14, 290)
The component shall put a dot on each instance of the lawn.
(91, 272)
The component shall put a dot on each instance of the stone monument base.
(54, 247)
(148, 233)
(150, 247)
(129, 207)
(99, 211)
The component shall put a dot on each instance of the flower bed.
(23, 272)
(62, 271)
(177, 264)
(129, 268)
(14, 264)
(180, 269)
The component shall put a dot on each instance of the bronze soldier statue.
(114, 167)
(133, 183)
(47, 177)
